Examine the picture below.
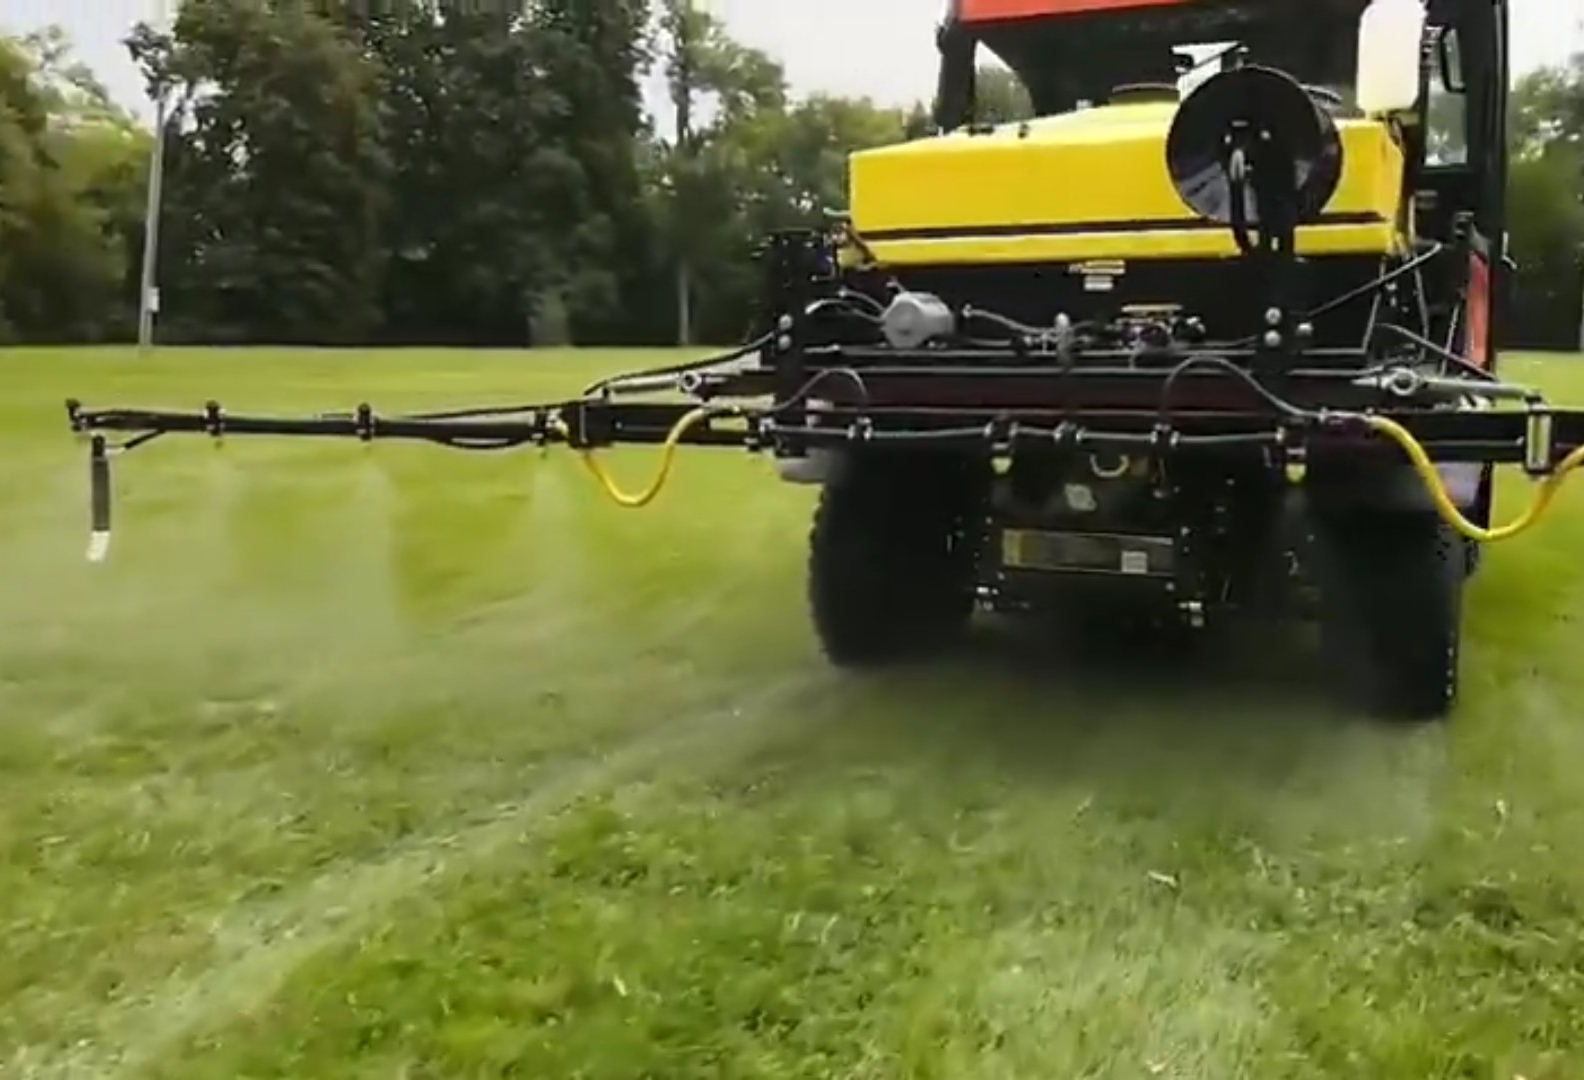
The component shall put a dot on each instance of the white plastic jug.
(1390, 36)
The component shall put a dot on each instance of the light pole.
(148, 289)
(148, 292)
(1577, 48)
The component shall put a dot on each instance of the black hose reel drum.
(1252, 149)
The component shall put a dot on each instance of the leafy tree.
(442, 170)
(473, 182)
(999, 96)
(276, 174)
(1547, 234)
(515, 198)
(599, 51)
(706, 70)
(1547, 107)
(70, 186)
(1546, 212)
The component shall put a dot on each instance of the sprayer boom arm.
(1536, 436)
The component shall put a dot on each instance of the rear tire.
(893, 556)
(1474, 552)
(1392, 612)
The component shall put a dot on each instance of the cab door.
(1463, 166)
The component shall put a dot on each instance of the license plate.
(1135, 556)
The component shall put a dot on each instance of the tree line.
(450, 172)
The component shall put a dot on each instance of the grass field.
(407, 763)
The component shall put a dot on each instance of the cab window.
(1446, 112)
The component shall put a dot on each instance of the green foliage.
(1547, 107)
(1547, 235)
(1546, 205)
(277, 173)
(71, 186)
(999, 97)
(442, 171)
(744, 158)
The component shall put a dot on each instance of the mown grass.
(399, 762)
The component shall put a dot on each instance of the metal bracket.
(1539, 440)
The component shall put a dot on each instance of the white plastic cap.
(1391, 33)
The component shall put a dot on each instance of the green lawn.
(398, 762)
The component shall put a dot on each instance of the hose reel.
(1252, 149)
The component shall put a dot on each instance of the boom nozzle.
(99, 500)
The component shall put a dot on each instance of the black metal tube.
(1448, 435)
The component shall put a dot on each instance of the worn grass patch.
(399, 762)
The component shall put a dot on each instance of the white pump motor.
(1391, 36)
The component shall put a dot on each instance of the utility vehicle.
(1212, 332)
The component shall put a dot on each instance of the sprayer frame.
(989, 400)
(1034, 397)
(1282, 398)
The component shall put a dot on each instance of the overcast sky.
(880, 48)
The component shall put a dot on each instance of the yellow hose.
(1443, 501)
(1421, 461)
(668, 451)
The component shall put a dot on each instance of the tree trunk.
(684, 306)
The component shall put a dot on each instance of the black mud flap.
(1391, 606)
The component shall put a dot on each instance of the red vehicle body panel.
(1479, 300)
(999, 10)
